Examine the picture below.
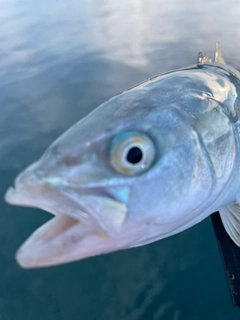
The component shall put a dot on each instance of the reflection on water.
(58, 61)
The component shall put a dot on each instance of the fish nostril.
(29, 176)
(70, 161)
(23, 180)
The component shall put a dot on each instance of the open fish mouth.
(86, 222)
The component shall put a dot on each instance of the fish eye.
(131, 153)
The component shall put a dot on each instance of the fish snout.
(22, 191)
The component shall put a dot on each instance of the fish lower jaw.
(52, 242)
(64, 239)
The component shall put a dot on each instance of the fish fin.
(230, 217)
(201, 59)
(218, 54)
(205, 58)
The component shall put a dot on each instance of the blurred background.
(58, 61)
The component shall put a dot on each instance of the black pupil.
(134, 155)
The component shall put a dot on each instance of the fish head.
(131, 172)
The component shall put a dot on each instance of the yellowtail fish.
(147, 164)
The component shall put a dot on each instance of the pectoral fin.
(230, 216)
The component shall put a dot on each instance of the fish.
(149, 163)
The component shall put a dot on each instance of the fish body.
(149, 163)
